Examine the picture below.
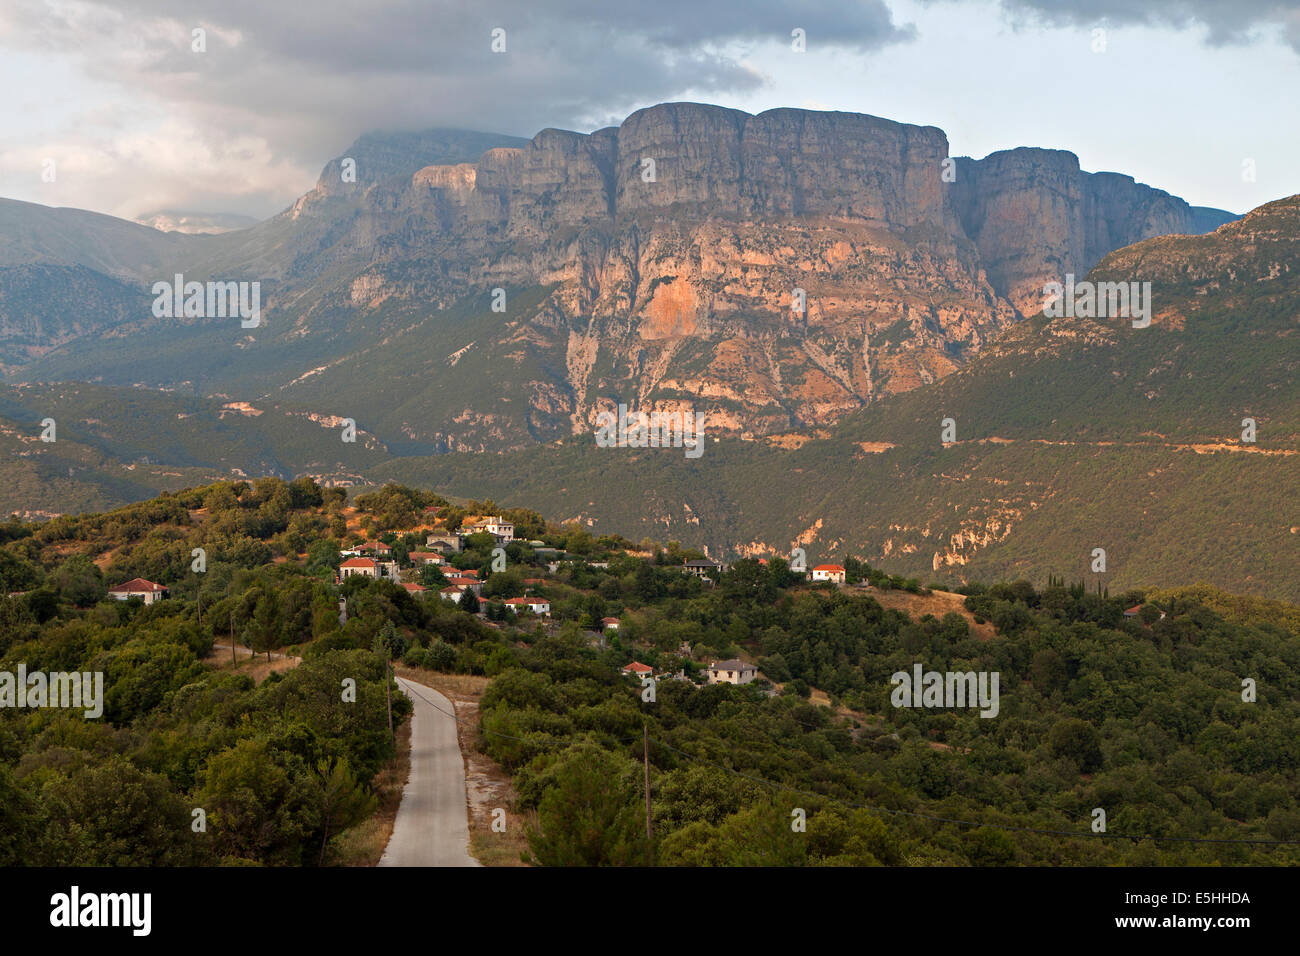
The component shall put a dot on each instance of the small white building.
(732, 672)
(146, 591)
(538, 606)
(453, 592)
(365, 567)
(829, 572)
(368, 568)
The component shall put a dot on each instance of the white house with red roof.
(637, 669)
(417, 591)
(146, 591)
(829, 572)
(366, 567)
(536, 605)
(453, 592)
(609, 623)
(427, 557)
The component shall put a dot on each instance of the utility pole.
(645, 749)
(388, 696)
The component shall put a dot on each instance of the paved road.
(431, 829)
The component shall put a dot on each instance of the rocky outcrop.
(778, 269)
(1035, 216)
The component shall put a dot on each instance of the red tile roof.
(829, 567)
(636, 667)
(358, 563)
(139, 586)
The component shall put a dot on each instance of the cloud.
(283, 87)
(1225, 21)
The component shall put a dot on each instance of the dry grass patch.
(937, 603)
(256, 667)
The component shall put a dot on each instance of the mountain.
(1071, 434)
(67, 275)
(659, 263)
(123, 444)
(203, 223)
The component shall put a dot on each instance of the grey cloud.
(1226, 21)
(307, 78)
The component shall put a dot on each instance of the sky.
(109, 105)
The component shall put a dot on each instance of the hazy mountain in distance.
(206, 223)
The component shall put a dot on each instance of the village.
(442, 566)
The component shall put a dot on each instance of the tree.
(589, 815)
(266, 625)
(79, 580)
(345, 801)
(468, 601)
(1077, 740)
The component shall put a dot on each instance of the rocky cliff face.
(776, 270)
(1035, 216)
(680, 243)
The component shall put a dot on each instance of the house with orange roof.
(366, 567)
(464, 581)
(539, 606)
(828, 572)
(146, 591)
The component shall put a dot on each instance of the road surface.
(431, 829)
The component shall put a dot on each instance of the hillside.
(1072, 434)
(1142, 715)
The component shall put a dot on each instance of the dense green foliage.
(1142, 716)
